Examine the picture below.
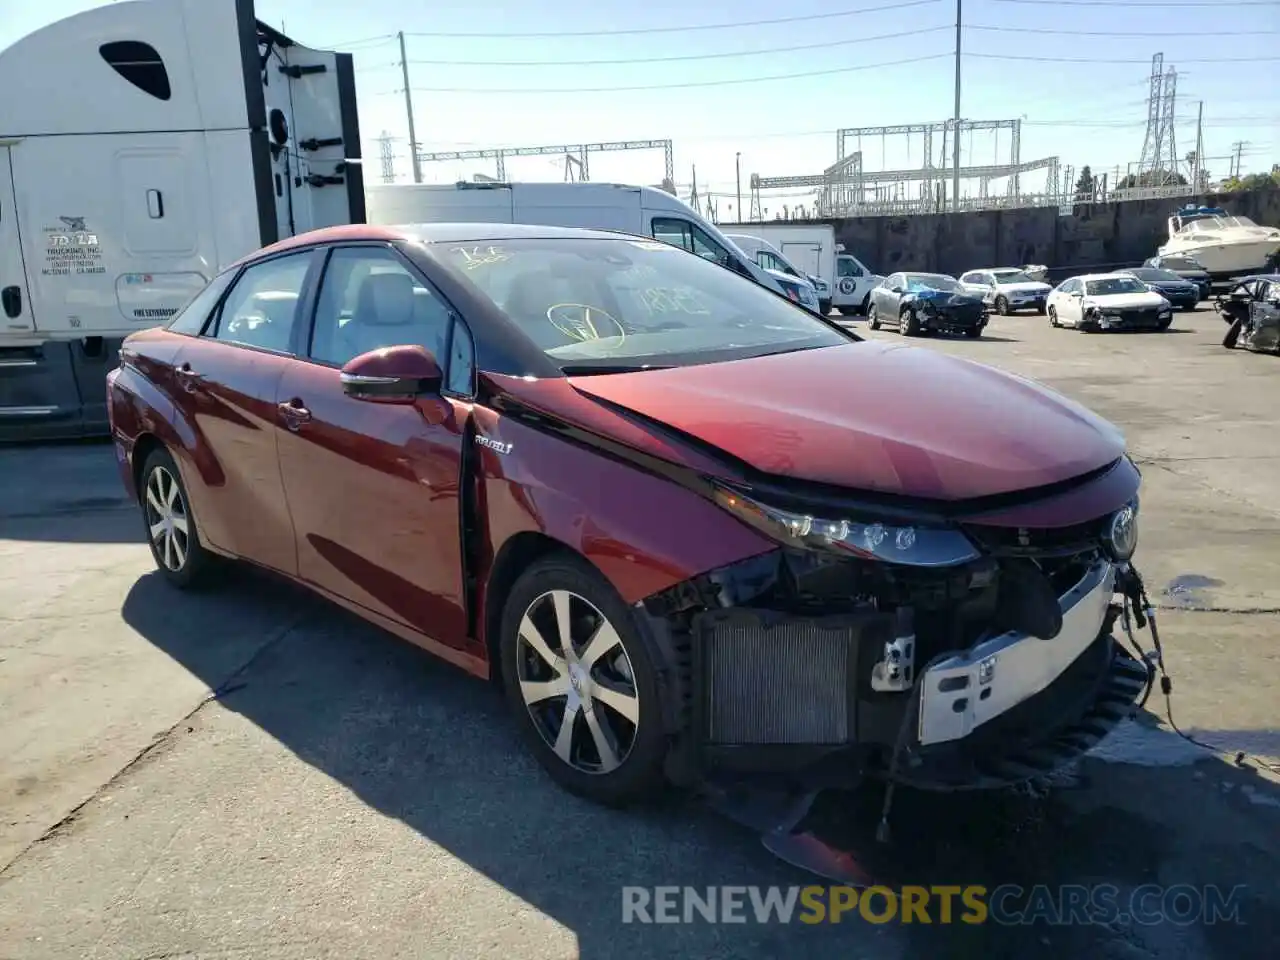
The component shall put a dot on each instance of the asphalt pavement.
(249, 772)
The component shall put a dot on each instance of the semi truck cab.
(180, 136)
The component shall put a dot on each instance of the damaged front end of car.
(940, 652)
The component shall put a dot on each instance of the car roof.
(1098, 276)
(434, 233)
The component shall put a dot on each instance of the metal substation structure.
(577, 167)
(843, 187)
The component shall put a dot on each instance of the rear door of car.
(226, 379)
(374, 488)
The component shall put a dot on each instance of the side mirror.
(392, 375)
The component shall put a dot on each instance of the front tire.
(170, 526)
(1233, 334)
(1053, 317)
(873, 317)
(1002, 306)
(909, 323)
(581, 682)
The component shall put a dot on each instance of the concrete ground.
(251, 773)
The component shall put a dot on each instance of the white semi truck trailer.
(180, 135)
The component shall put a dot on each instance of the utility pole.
(737, 166)
(955, 145)
(1238, 147)
(1199, 164)
(408, 109)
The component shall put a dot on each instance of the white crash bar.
(964, 691)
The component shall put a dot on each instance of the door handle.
(294, 413)
(12, 301)
(187, 377)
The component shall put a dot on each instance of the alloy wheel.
(167, 521)
(577, 682)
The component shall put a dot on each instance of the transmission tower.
(387, 157)
(1159, 162)
(1168, 161)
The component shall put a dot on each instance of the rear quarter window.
(192, 318)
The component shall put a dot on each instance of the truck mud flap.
(56, 390)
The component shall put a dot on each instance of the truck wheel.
(581, 682)
(824, 306)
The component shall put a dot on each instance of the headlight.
(889, 542)
(1120, 538)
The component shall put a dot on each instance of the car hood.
(1034, 286)
(874, 416)
(947, 298)
(1127, 301)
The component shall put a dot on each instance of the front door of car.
(1071, 302)
(1264, 317)
(227, 378)
(887, 297)
(374, 487)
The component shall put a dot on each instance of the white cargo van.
(174, 137)
(771, 258)
(647, 211)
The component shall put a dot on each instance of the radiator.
(773, 680)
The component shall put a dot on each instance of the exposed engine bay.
(822, 669)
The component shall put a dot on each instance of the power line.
(805, 74)
(1121, 33)
(686, 57)
(684, 86)
(1165, 4)
(688, 28)
(1034, 59)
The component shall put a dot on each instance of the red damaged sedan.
(690, 528)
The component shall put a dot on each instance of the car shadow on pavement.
(433, 748)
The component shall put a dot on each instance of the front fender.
(643, 532)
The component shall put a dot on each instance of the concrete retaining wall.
(1105, 235)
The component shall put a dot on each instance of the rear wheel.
(1002, 306)
(873, 317)
(581, 682)
(171, 529)
(1233, 334)
(866, 304)
(1053, 317)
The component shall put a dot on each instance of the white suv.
(1007, 289)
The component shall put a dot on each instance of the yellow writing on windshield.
(474, 257)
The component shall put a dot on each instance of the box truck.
(813, 249)
(648, 211)
(171, 138)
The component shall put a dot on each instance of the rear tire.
(873, 317)
(169, 524)
(1002, 306)
(1053, 317)
(1233, 334)
(605, 688)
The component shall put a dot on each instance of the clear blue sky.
(1090, 112)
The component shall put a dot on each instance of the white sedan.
(1105, 301)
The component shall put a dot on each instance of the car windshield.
(1153, 275)
(1110, 285)
(918, 282)
(1012, 276)
(610, 304)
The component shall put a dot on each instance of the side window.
(369, 299)
(846, 267)
(262, 307)
(707, 248)
(140, 64)
(769, 261)
(675, 232)
(989, 279)
(461, 376)
(1071, 286)
(896, 281)
(969, 278)
(191, 318)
